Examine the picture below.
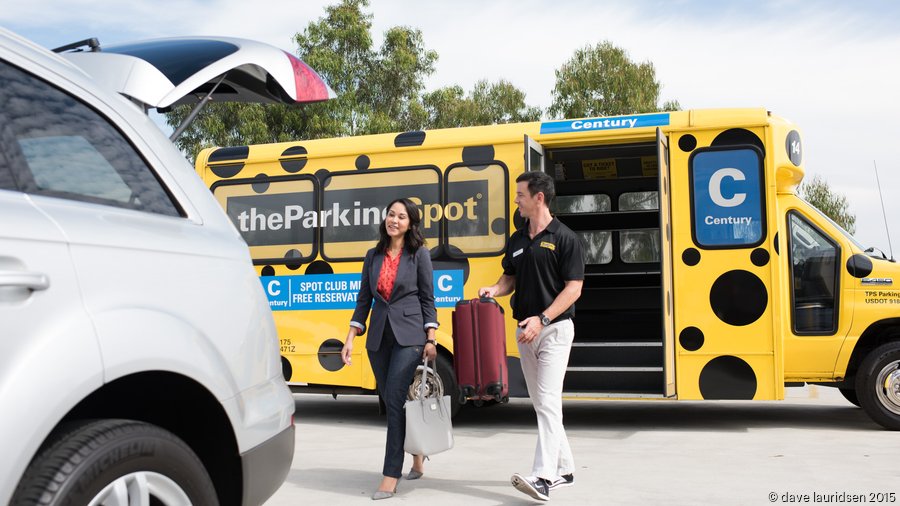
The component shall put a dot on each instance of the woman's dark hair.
(413, 239)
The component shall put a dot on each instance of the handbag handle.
(424, 380)
(421, 396)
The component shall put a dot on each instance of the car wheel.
(850, 395)
(115, 463)
(878, 385)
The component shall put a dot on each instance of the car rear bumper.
(266, 466)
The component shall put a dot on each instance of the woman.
(397, 274)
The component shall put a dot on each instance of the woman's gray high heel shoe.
(381, 494)
(415, 475)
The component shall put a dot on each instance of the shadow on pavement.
(347, 482)
(628, 416)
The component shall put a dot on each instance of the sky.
(829, 66)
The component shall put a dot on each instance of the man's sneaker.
(566, 480)
(538, 488)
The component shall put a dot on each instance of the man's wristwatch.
(432, 342)
(544, 320)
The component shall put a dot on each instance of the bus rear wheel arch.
(878, 385)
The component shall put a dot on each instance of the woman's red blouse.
(388, 275)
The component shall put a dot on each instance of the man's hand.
(531, 328)
(488, 292)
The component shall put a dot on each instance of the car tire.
(115, 462)
(878, 385)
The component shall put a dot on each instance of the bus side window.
(814, 278)
(476, 209)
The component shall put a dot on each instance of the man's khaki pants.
(544, 362)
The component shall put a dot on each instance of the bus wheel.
(451, 388)
(850, 395)
(878, 385)
(444, 383)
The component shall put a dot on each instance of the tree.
(486, 104)
(377, 91)
(817, 192)
(602, 81)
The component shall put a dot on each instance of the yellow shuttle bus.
(706, 276)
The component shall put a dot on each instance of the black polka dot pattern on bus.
(293, 260)
(518, 220)
(690, 256)
(406, 139)
(324, 177)
(238, 154)
(687, 143)
(293, 159)
(691, 338)
(475, 154)
(498, 226)
(859, 266)
(319, 267)
(362, 162)
(759, 257)
(738, 136)
(738, 297)
(260, 183)
(267, 271)
(727, 378)
(286, 369)
(330, 355)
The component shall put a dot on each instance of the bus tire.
(850, 395)
(451, 388)
(88, 462)
(878, 385)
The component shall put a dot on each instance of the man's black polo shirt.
(541, 267)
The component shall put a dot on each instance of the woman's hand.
(348, 346)
(430, 352)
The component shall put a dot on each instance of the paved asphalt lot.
(643, 453)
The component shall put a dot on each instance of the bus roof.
(636, 127)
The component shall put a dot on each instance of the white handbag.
(428, 427)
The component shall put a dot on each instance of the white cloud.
(828, 66)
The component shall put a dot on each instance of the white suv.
(138, 357)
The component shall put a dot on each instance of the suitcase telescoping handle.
(484, 300)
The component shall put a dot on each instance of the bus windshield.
(835, 225)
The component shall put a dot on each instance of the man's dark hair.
(539, 182)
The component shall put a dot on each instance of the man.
(545, 266)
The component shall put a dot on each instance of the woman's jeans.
(394, 366)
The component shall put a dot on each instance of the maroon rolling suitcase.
(479, 351)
